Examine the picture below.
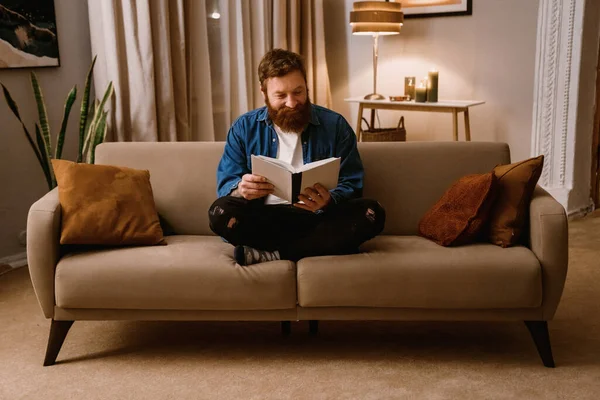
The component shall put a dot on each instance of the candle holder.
(409, 86)
(432, 86)
(421, 93)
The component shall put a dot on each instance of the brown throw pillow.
(106, 205)
(460, 214)
(516, 183)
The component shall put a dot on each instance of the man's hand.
(314, 198)
(253, 187)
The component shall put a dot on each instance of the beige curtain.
(246, 34)
(161, 72)
(299, 26)
(180, 74)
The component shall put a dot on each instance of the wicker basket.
(397, 134)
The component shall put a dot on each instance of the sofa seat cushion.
(414, 272)
(189, 273)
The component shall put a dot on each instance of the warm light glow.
(428, 3)
(376, 17)
(215, 15)
(380, 33)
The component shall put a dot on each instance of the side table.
(444, 106)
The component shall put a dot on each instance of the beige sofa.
(398, 275)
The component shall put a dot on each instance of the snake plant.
(92, 125)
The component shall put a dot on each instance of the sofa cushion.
(460, 214)
(190, 273)
(414, 272)
(516, 183)
(106, 205)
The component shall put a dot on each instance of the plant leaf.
(13, 106)
(45, 127)
(105, 129)
(45, 160)
(63, 127)
(11, 103)
(107, 94)
(85, 108)
(90, 128)
(97, 115)
(88, 123)
(99, 136)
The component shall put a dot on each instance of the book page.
(279, 176)
(325, 172)
(280, 163)
(316, 164)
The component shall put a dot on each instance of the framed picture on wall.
(28, 34)
(436, 8)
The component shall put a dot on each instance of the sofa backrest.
(183, 177)
(407, 178)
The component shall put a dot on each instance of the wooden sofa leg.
(541, 338)
(286, 328)
(58, 333)
(313, 326)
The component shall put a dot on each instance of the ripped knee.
(216, 210)
(371, 215)
(221, 220)
(375, 216)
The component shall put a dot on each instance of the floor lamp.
(376, 18)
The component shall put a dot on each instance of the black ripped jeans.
(294, 232)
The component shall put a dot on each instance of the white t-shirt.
(290, 151)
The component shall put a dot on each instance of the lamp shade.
(381, 17)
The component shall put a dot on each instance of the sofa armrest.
(43, 248)
(549, 241)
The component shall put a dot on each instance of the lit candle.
(432, 86)
(409, 86)
(421, 93)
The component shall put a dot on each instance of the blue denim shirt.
(327, 135)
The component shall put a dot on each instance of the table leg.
(359, 123)
(467, 126)
(455, 124)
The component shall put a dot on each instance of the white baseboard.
(16, 260)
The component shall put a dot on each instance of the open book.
(289, 181)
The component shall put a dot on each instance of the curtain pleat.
(158, 55)
(298, 25)
(199, 90)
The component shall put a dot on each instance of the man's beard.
(290, 119)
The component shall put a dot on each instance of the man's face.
(287, 101)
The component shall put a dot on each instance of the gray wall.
(488, 56)
(21, 176)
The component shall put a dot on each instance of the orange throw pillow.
(460, 214)
(106, 205)
(516, 183)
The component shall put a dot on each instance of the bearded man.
(263, 227)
